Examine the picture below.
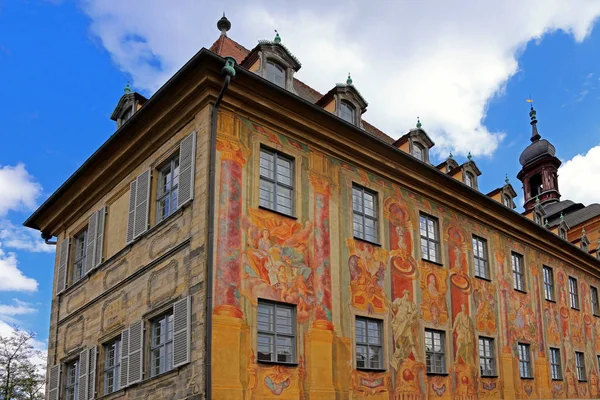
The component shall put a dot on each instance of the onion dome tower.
(539, 172)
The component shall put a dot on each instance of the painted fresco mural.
(313, 261)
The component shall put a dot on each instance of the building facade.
(287, 249)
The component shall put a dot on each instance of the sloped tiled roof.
(582, 215)
(226, 47)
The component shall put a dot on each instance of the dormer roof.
(272, 47)
(129, 101)
(415, 133)
(347, 89)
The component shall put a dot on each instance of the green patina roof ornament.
(469, 156)
(349, 80)
(562, 217)
(582, 232)
(127, 88)
(546, 224)
(277, 37)
(537, 201)
(506, 180)
(450, 156)
(419, 126)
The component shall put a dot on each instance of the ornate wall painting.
(490, 388)
(553, 331)
(465, 381)
(434, 286)
(484, 299)
(576, 326)
(439, 388)
(408, 380)
(405, 329)
(370, 383)
(275, 262)
(403, 266)
(464, 337)
(523, 326)
(367, 265)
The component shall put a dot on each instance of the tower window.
(276, 74)
(347, 112)
(535, 185)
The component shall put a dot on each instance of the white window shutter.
(124, 358)
(101, 219)
(131, 216)
(63, 261)
(91, 393)
(187, 160)
(181, 332)
(142, 203)
(136, 352)
(83, 374)
(91, 242)
(54, 383)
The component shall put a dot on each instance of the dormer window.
(418, 151)
(126, 115)
(275, 74)
(347, 112)
(584, 245)
(507, 201)
(562, 233)
(537, 217)
(469, 179)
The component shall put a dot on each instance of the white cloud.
(575, 175)
(10, 312)
(21, 238)
(11, 278)
(441, 60)
(18, 189)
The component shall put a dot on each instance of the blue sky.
(64, 65)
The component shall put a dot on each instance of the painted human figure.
(463, 326)
(432, 286)
(405, 317)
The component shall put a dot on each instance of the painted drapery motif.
(367, 265)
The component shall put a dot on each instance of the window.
(487, 362)
(469, 179)
(594, 298)
(580, 365)
(524, 361)
(364, 209)
(369, 343)
(435, 351)
(168, 189)
(347, 112)
(537, 217)
(276, 182)
(276, 74)
(276, 332)
(112, 366)
(126, 114)
(162, 345)
(548, 283)
(573, 293)
(72, 381)
(480, 255)
(418, 151)
(506, 200)
(555, 368)
(430, 244)
(583, 245)
(79, 260)
(518, 272)
(562, 233)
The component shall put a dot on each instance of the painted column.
(229, 233)
(322, 265)
(319, 338)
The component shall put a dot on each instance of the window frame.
(555, 364)
(518, 272)
(524, 355)
(352, 111)
(114, 368)
(429, 368)
(490, 357)
(418, 146)
(278, 68)
(477, 259)
(506, 201)
(428, 240)
(363, 215)
(74, 385)
(562, 233)
(367, 345)
(173, 164)
(538, 218)
(274, 334)
(573, 293)
(275, 181)
(595, 301)
(469, 179)
(580, 366)
(163, 345)
(78, 270)
(549, 292)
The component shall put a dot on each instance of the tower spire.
(223, 25)
(535, 136)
